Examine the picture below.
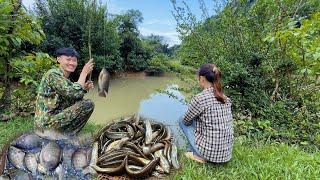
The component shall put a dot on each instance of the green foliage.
(136, 61)
(53, 15)
(23, 99)
(115, 40)
(132, 52)
(108, 62)
(68, 24)
(172, 51)
(128, 22)
(154, 44)
(300, 46)
(268, 53)
(30, 68)
(17, 28)
(159, 63)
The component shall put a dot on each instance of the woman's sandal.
(194, 157)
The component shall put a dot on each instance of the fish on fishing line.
(103, 82)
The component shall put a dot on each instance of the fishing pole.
(89, 36)
(90, 57)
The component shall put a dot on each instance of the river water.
(131, 95)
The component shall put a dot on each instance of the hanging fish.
(103, 82)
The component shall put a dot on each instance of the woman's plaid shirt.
(214, 129)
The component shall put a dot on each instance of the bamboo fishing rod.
(89, 36)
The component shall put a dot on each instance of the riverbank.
(140, 74)
(251, 159)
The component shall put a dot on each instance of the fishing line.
(104, 35)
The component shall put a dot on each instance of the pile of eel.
(134, 146)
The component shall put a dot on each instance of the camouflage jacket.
(55, 93)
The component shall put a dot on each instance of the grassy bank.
(11, 129)
(251, 160)
(257, 160)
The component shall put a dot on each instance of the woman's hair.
(213, 75)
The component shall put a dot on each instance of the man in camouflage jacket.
(60, 104)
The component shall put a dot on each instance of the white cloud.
(172, 37)
(160, 22)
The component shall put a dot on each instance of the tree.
(155, 44)
(17, 27)
(67, 24)
(173, 50)
(134, 55)
(268, 54)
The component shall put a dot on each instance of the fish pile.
(135, 146)
(31, 156)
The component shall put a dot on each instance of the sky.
(157, 15)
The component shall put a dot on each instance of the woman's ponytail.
(218, 93)
(213, 75)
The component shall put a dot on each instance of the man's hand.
(88, 67)
(88, 85)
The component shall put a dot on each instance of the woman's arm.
(194, 110)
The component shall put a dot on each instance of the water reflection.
(132, 95)
(125, 96)
(162, 108)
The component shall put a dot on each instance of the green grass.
(13, 128)
(257, 160)
(251, 159)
